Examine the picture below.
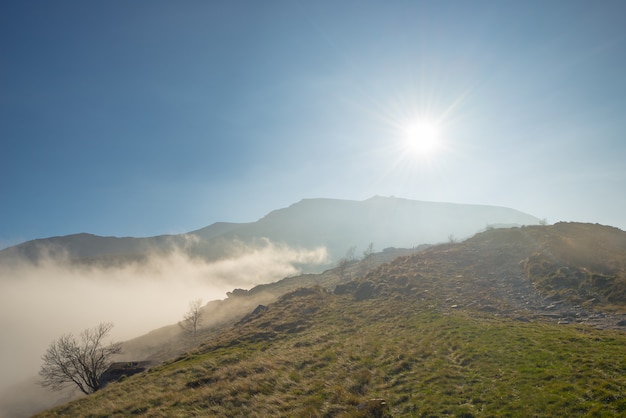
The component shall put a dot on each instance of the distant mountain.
(335, 224)
(383, 221)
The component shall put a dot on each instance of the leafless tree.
(350, 253)
(368, 254)
(192, 318)
(81, 362)
(368, 251)
(342, 266)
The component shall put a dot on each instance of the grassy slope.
(167, 342)
(423, 360)
(313, 353)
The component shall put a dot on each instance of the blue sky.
(151, 117)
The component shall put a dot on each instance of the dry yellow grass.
(420, 338)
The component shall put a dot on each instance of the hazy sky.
(149, 117)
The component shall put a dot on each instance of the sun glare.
(422, 138)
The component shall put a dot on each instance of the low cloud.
(38, 303)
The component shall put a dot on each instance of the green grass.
(424, 361)
(315, 354)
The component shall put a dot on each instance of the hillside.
(460, 329)
(311, 223)
(166, 342)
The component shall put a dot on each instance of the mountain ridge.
(336, 224)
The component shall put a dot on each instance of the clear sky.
(138, 118)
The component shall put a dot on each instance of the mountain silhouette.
(335, 224)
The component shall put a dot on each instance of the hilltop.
(484, 327)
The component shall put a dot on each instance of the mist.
(39, 303)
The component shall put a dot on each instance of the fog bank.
(39, 303)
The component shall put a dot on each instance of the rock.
(255, 313)
(118, 371)
(375, 408)
(364, 291)
(237, 292)
(259, 309)
(342, 289)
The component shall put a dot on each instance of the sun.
(422, 137)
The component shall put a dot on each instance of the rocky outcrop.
(121, 370)
(496, 272)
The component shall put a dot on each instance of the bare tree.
(342, 266)
(350, 253)
(368, 251)
(367, 256)
(192, 318)
(81, 362)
